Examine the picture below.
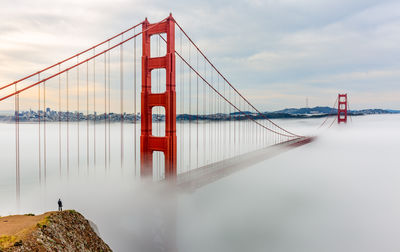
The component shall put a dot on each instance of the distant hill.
(315, 110)
(328, 110)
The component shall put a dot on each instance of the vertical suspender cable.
(209, 119)
(249, 130)
(197, 113)
(87, 117)
(190, 113)
(94, 110)
(254, 128)
(17, 157)
(67, 124)
(134, 102)
(239, 126)
(225, 143)
(262, 136)
(256, 139)
(210, 132)
(105, 112)
(158, 113)
(109, 106)
(267, 138)
(44, 134)
(245, 128)
(205, 115)
(229, 107)
(181, 123)
(59, 122)
(218, 121)
(40, 137)
(78, 115)
(121, 72)
(234, 127)
(348, 106)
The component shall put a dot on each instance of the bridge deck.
(205, 175)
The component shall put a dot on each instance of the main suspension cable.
(67, 59)
(245, 114)
(212, 65)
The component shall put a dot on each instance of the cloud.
(312, 46)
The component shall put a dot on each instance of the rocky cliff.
(53, 231)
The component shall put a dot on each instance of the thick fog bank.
(339, 193)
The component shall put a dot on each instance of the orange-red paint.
(148, 142)
(342, 108)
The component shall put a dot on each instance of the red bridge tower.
(148, 142)
(342, 108)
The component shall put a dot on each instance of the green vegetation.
(7, 240)
(43, 223)
(29, 214)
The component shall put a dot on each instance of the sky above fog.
(277, 52)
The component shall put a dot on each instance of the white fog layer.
(338, 193)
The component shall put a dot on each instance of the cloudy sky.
(277, 52)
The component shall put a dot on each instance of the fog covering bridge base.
(208, 174)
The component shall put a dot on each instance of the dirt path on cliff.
(11, 225)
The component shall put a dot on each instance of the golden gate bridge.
(188, 124)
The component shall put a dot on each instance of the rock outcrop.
(54, 231)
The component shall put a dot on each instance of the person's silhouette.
(60, 205)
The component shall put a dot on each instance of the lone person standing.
(60, 205)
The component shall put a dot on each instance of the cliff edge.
(53, 231)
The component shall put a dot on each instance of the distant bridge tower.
(342, 108)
